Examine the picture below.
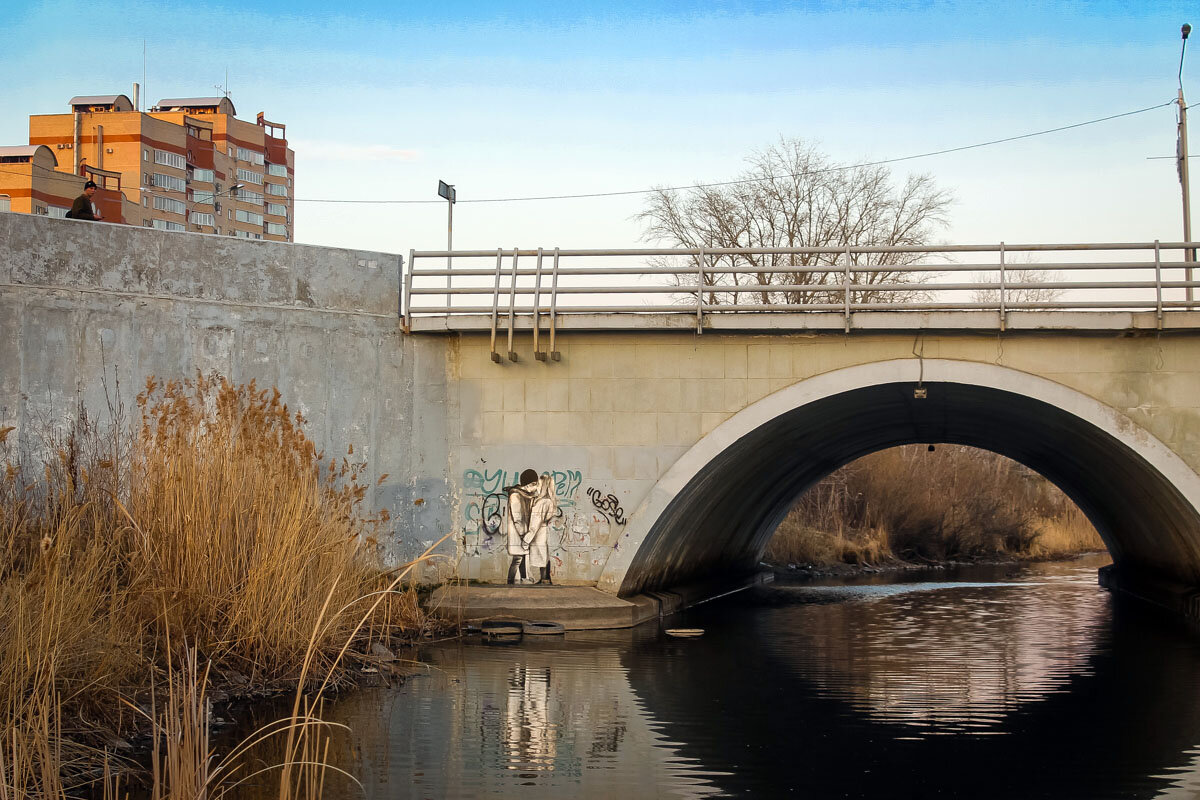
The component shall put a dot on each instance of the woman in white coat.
(543, 511)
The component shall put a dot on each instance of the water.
(1001, 682)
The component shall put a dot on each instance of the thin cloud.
(345, 151)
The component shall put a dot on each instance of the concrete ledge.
(829, 321)
(1177, 598)
(577, 608)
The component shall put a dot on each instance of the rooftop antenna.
(223, 89)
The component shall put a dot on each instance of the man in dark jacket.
(82, 208)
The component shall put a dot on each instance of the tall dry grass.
(912, 504)
(210, 527)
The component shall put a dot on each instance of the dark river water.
(996, 682)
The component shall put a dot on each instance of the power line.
(630, 192)
(751, 180)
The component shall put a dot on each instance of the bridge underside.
(722, 518)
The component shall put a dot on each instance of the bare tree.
(1019, 269)
(793, 196)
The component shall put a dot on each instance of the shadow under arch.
(714, 510)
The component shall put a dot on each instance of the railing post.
(496, 304)
(554, 354)
(1158, 282)
(405, 299)
(537, 287)
(700, 294)
(846, 289)
(512, 305)
(1003, 313)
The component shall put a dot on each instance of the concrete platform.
(576, 608)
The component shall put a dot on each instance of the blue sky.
(515, 99)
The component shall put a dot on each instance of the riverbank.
(204, 550)
(823, 572)
(930, 505)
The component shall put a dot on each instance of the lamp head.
(1185, 30)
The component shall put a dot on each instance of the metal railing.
(512, 288)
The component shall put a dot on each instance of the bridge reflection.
(1044, 687)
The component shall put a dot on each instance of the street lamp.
(211, 197)
(446, 190)
(1182, 155)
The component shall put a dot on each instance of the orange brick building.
(188, 164)
(31, 183)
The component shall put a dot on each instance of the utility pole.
(1182, 154)
(446, 190)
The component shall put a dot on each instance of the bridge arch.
(715, 509)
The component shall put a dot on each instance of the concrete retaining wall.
(89, 310)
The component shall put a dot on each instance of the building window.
(249, 176)
(164, 225)
(202, 197)
(56, 212)
(169, 159)
(249, 155)
(145, 201)
(278, 170)
(203, 219)
(247, 196)
(145, 154)
(249, 216)
(275, 229)
(203, 175)
(5, 203)
(168, 204)
(277, 209)
(170, 182)
(277, 189)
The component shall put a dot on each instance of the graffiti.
(608, 505)
(487, 506)
(485, 499)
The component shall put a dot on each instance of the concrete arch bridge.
(678, 438)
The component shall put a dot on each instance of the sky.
(518, 99)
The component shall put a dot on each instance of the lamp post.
(446, 190)
(1182, 155)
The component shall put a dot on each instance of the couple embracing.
(531, 507)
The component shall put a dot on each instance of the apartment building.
(31, 183)
(189, 163)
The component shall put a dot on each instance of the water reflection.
(1026, 683)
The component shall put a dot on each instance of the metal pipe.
(537, 287)
(554, 355)
(512, 300)
(839, 250)
(496, 304)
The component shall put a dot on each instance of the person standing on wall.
(83, 207)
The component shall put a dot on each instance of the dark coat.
(81, 209)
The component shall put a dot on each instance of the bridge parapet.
(1127, 285)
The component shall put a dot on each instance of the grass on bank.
(210, 532)
(907, 503)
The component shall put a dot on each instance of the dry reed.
(212, 532)
(912, 504)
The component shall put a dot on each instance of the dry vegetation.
(210, 542)
(907, 503)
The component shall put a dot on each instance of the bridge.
(679, 400)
